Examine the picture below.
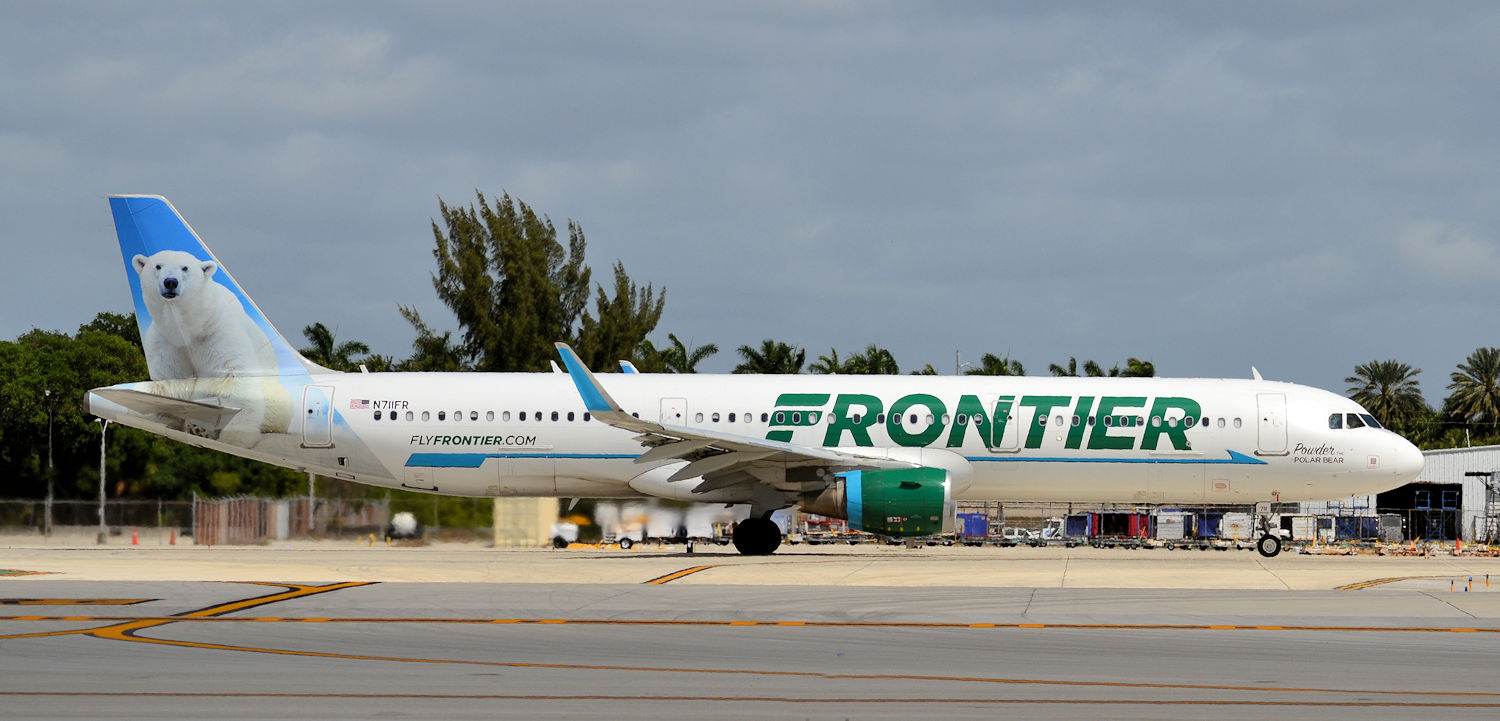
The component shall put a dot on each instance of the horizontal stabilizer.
(204, 415)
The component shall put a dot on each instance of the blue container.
(973, 525)
(1076, 525)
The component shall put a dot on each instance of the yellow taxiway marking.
(128, 630)
(676, 575)
(158, 620)
(72, 601)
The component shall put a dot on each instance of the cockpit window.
(1354, 421)
(1336, 421)
(1370, 420)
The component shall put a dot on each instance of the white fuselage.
(1003, 438)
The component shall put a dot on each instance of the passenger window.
(1109, 420)
(570, 416)
(523, 415)
(1221, 422)
(1236, 423)
(1057, 421)
(585, 416)
(554, 416)
(796, 418)
(945, 419)
(426, 416)
(963, 419)
(473, 415)
(442, 415)
(1076, 421)
(489, 415)
(895, 420)
(1041, 420)
(1336, 421)
(762, 418)
(505, 416)
(539, 417)
(698, 418)
(1354, 421)
(1155, 421)
(856, 418)
(377, 415)
(393, 415)
(731, 417)
(780, 417)
(880, 419)
(458, 415)
(1189, 422)
(748, 417)
(409, 415)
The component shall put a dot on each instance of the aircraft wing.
(721, 459)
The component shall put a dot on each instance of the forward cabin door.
(1271, 423)
(317, 416)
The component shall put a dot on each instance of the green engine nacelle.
(900, 502)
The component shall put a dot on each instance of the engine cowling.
(894, 502)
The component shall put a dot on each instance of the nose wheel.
(1268, 546)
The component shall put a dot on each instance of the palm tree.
(1137, 368)
(682, 358)
(927, 370)
(772, 357)
(872, 362)
(1090, 368)
(1476, 387)
(993, 365)
(827, 364)
(327, 352)
(1389, 390)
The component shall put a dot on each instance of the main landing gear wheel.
(1268, 546)
(757, 536)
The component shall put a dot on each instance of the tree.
(1475, 396)
(772, 357)
(512, 285)
(622, 322)
(873, 361)
(827, 364)
(1135, 368)
(431, 352)
(326, 351)
(927, 370)
(682, 358)
(1389, 390)
(993, 365)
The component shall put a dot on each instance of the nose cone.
(1409, 461)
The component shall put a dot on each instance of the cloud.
(1449, 252)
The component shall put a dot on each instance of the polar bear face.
(170, 274)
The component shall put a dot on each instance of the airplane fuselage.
(1128, 440)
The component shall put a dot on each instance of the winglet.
(595, 398)
(627, 367)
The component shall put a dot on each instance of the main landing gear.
(757, 536)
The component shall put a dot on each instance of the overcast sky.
(1209, 186)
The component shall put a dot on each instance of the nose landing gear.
(1269, 543)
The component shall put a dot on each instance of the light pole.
(47, 521)
(103, 431)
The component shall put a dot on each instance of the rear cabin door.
(1271, 426)
(317, 416)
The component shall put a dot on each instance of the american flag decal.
(359, 404)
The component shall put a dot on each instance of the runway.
(685, 648)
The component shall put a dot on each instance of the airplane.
(890, 454)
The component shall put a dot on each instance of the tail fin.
(195, 320)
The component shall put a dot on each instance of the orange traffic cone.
(135, 537)
(173, 540)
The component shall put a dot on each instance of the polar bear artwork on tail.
(198, 327)
(200, 330)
